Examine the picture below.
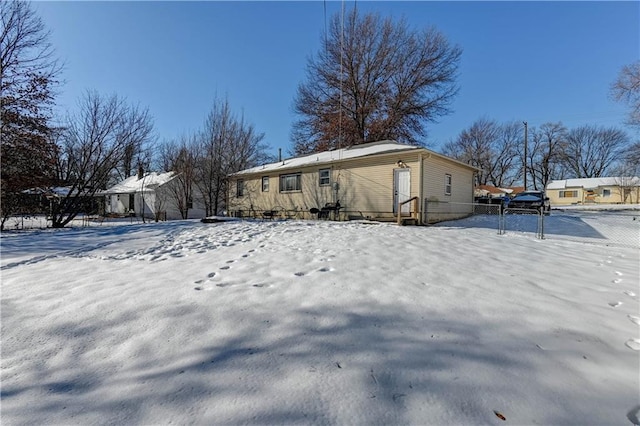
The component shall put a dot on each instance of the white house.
(603, 190)
(376, 180)
(150, 196)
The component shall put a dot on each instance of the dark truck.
(531, 200)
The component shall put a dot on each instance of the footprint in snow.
(223, 285)
(615, 304)
(230, 261)
(618, 273)
(245, 255)
(198, 282)
(325, 269)
(634, 319)
(633, 344)
(630, 293)
(617, 281)
(225, 267)
(299, 274)
(201, 288)
(211, 274)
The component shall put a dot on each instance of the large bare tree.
(91, 147)
(28, 73)
(546, 148)
(490, 146)
(374, 79)
(626, 89)
(591, 151)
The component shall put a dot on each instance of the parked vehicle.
(531, 200)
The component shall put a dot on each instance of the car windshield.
(529, 194)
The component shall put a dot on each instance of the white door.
(401, 189)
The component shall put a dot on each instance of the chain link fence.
(611, 227)
(614, 227)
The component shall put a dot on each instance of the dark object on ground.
(268, 214)
(323, 213)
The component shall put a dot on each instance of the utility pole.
(525, 154)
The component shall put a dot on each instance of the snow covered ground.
(304, 322)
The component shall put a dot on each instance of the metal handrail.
(414, 214)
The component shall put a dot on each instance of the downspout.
(420, 187)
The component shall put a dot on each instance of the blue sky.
(524, 61)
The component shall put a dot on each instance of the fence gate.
(522, 213)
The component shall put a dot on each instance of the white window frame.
(324, 180)
(286, 179)
(265, 183)
(448, 180)
(606, 193)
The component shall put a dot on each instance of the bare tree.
(505, 169)
(212, 169)
(546, 148)
(28, 72)
(227, 144)
(181, 158)
(92, 146)
(491, 147)
(138, 151)
(632, 159)
(626, 89)
(374, 79)
(591, 151)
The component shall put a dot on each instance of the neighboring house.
(369, 180)
(489, 191)
(604, 190)
(151, 196)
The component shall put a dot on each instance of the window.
(606, 193)
(265, 183)
(325, 177)
(568, 194)
(291, 182)
(240, 188)
(447, 184)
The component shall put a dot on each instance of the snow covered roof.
(56, 191)
(592, 183)
(493, 190)
(132, 184)
(356, 151)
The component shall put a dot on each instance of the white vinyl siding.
(438, 205)
(363, 186)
